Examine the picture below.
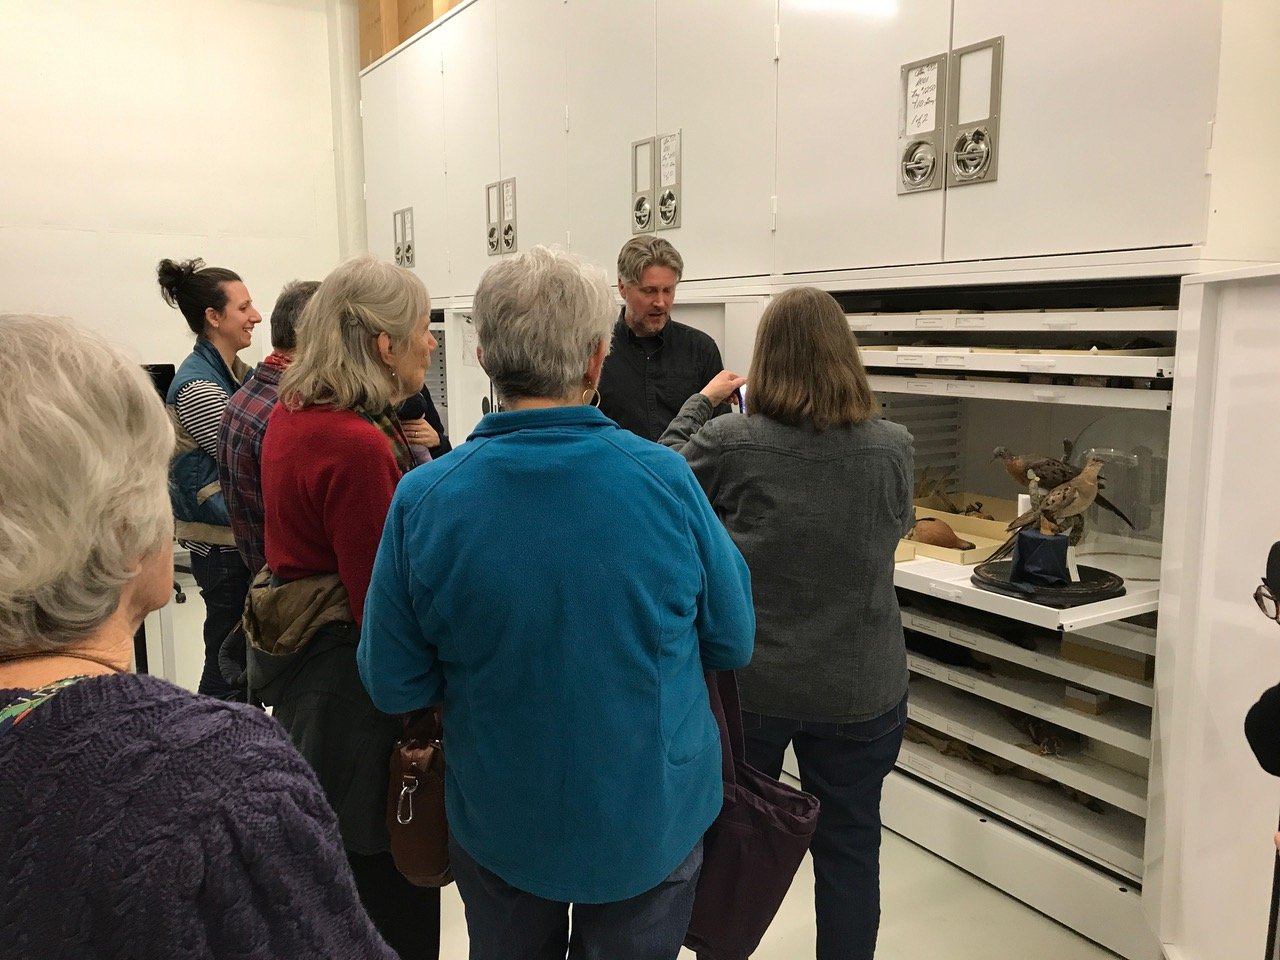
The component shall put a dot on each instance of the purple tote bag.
(752, 850)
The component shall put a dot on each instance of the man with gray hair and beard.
(655, 363)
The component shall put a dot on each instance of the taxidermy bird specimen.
(937, 493)
(1058, 511)
(1052, 473)
(938, 533)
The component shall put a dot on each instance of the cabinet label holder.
(643, 179)
(408, 256)
(921, 149)
(973, 113)
(670, 202)
(493, 218)
(507, 216)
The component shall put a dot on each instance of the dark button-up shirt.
(244, 421)
(646, 380)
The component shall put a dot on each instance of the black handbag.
(752, 851)
(415, 802)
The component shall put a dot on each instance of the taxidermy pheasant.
(1052, 473)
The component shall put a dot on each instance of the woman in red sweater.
(331, 458)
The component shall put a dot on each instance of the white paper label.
(470, 344)
(508, 200)
(669, 159)
(922, 98)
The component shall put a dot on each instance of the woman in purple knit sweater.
(136, 820)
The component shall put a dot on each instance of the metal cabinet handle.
(667, 207)
(642, 213)
(971, 154)
(918, 163)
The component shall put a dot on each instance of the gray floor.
(930, 908)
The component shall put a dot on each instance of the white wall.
(135, 130)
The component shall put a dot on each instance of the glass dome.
(1134, 446)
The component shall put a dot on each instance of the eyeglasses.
(1266, 601)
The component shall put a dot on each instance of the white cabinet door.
(1104, 127)
(469, 388)
(384, 189)
(610, 58)
(531, 115)
(469, 43)
(838, 90)
(421, 160)
(1211, 862)
(716, 84)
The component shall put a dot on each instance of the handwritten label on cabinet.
(669, 159)
(508, 200)
(922, 98)
(470, 344)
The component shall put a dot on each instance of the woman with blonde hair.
(137, 820)
(332, 456)
(815, 490)
(560, 584)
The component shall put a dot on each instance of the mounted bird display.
(1053, 473)
(1060, 510)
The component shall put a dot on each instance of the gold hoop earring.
(594, 394)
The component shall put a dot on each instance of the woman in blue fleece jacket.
(561, 585)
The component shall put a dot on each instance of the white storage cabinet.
(1109, 170)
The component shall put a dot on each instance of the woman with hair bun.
(218, 309)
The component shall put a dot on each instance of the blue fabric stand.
(1040, 560)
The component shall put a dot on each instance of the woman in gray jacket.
(815, 490)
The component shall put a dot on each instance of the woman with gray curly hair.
(561, 584)
(125, 822)
(332, 456)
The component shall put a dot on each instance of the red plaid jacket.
(244, 422)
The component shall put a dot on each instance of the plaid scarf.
(389, 424)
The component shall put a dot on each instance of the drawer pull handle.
(921, 765)
(1048, 395)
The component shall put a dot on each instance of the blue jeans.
(224, 584)
(504, 923)
(844, 766)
